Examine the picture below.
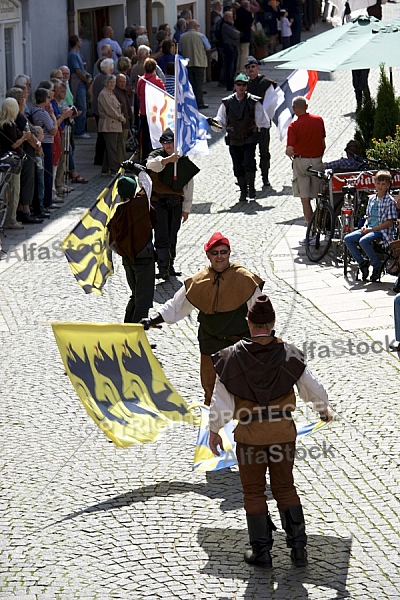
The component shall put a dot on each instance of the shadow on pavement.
(224, 484)
(328, 565)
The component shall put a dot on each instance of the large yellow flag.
(119, 381)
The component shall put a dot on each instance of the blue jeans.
(355, 239)
(397, 317)
(80, 102)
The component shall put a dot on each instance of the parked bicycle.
(321, 228)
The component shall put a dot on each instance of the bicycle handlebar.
(325, 175)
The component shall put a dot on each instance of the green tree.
(365, 122)
(387, 114)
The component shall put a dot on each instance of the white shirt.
(223, 402)
(154, 164)
(179, 307)
(260, 117)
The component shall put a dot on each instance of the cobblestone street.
(84, 519)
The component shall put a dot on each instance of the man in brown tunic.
(222, 292)
(255, 386)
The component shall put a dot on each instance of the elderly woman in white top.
(110, 124)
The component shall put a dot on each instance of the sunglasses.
(216, 252)
(241, 84)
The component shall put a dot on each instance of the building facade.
(34, 33)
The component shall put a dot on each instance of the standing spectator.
(286, 30)
(122, 94)
(110, 125)
(167, 55)
(108, 34)
(360, 85)
(80, 82)
(230, 48)
(170, 78)
(66, 75)
(106, 68)
(149, 75)
(12, 139)
(271, 16)
(194, 46)
(161, 37)
(131, 236)
(216, 39)
(222, 293)
(43, 116)
(29, 146)
(243, 22)
(129, 35)
(295, 11)
(258, 86)
(180, 28)
(172, 198)
(242, 114)
(106, 52)
(254, 385)
(138, 69)
(305, 146)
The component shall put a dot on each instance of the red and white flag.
(278, 102)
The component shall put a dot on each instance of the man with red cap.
(222, 292)
(255, 379)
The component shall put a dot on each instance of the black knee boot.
(243, 189)
(293, 523)
(250, 178)
(260, 529)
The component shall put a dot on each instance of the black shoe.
(266, 183)
(364, 268)
(162, 273)
(153, 346)
(174, 273)
(45, 214)
(376, 273)
(25, 218)
(299, 557)
(202, 106)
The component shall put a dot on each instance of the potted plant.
(260, 43)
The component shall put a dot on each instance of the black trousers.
(28, 173)
(166, 231)
(196, 78)
(140, 276)
(100, 145)
(265, 156)
(243, 159)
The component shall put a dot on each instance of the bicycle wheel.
(320, 232)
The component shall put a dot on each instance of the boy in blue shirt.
(380, 216)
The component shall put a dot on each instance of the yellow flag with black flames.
(120, 382)
(86, 247)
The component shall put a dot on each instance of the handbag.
(11, 162)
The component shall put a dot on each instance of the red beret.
(216, 239)
(261, 311)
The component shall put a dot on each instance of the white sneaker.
(14, 225)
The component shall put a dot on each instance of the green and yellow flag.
(119, 381)
(86, 247)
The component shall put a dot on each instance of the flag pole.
(176, 106)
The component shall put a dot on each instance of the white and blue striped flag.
(191, 127)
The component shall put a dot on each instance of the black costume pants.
(243, 159)
(196, 77)
(140, 276)
(169, 216)
(265, 156)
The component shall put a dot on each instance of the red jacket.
(141, 87)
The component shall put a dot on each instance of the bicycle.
(321, 228)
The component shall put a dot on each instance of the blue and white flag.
(191, 127)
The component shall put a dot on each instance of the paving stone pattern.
(83, 519)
